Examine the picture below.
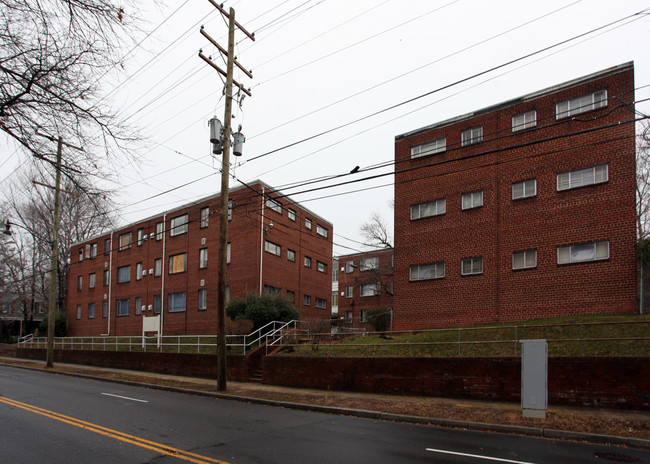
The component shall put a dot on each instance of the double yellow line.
(126, 438)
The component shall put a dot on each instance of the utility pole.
(216, 139)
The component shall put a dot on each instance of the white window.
(306, 300)
(178, 263)
(431, 208)
(292, 214)
(472, 266)
(580, 177)
(429, 148)
(581, 252)
(321, 267)
(525, 189)
(159, 230)
(140, 237)
(203, 258)
(349, 291)
(123, 274)
(348, 316)
(205, 217)
(179, 225)
(138, 271)
(78, 311)
(176, 302)
(274, 205)
(369, 289)
(349, 267)
(93, 250)
(335, 299)
(524, 259)
(157, 267)
(427, 271)
(105, 309)
(92, 280)
(320, 230)
(157, 304)
(228, 247)
(138, 306)
(106, 278)
(123, 307)
(80, 282)
(471, 136)
(272, 248)
(124, 241)
(291, 255)
(307, 261)
(581, 104)
(524, 120)
(472, 199)
(107, 246)
(91, 310)
(308, 223)
(321, 303)
(203, 299)
(367, 264)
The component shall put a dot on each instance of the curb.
(551, 434)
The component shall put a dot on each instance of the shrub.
(60, 329)
(262, 309)
(379, 318)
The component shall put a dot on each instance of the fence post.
(459, 337)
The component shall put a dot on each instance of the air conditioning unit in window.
(203, 241)
(144, 273)
(151, 235)
(144, 307)
(202, 282)
(105, 296)
(150, 271)
(150, 307)
(145, 237)
(105, 263)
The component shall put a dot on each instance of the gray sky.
(321, 64)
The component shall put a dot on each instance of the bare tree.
(643, 181)
(375, 231)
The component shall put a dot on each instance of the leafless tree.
(643, 181)
(375, 231)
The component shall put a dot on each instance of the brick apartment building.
(167, 265)
(362, 281)
(522, 210)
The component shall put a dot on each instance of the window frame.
(307, 261)
(92, 280)
(308, 223)
(524, 189)
(120, 274)
(140, 236)
(472, 260)
(274, 205)
(306, 300)
(580, 180)
(580, 105)
(322, 231)
(203, 299)
(160, 230)
(369, 263)
(321, 303)
(321, 267)
(419, 206)
(172, 303)
(529, 121)
(516, 267)
(204, 217)
(471, 196)
(124, 246)
(291, 214)
(179, 225)
(122, 308)
(157, 267)
(468, 136)
(291, 255)
(432, 147)
(272, 248)
(138, 305)
(349, 291)
(91, 310)
(571, 250)
(371, 289)
(416, 269)
(203, 258)
(138, 271)
(173, 264)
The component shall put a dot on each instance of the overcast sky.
(321, 64)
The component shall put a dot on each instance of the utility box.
(534, 381)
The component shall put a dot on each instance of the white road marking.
(125, 398)
(477, 456)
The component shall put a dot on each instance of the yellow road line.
(124, 437)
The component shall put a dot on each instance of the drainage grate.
(616, 457)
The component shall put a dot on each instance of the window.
(105, 309)
(270, 290)
(581, 177)
(203, 299)
(306, 300)
(140, 237)
(91, 310)
(157, 304)
(176, 302)
(367, 264)
(205, 217)
(349, 267)
(123, 274)
(429, 148)
(525, 189)
(159, 230)
(321, 303)
(431, 208)
(123, 307)
(274, 205)
(335, 271)
(524, 120)
(471, 266)
(581, 104)
(91, 280)
(106, 277)
(107, 246)
(227, 294)
(157, 267)
(581, 252)
(369, 289)
(472, 199)
(322, 231)
(78, 311)
(178, 263)
(471, 136)
(138, 271)
(203, 258)
(272, 248)
(349, 291)
(308, 223)
(138, 306)
(335, 299)
(348, 316)
(178, 225)
(427, 271)
(81, 254)
(363, 316)
(228, 253)
(524, 259)
(80, 282)
(321, 267)
(291, 296)
(124, 242)
(291, 255)
(307, 261)
(292, 214)
(93, 250)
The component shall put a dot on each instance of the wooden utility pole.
(54, 263)
(225, 176)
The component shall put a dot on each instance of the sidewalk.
(617, 427)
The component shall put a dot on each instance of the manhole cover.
(616, 457)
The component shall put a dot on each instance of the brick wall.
(501, 226)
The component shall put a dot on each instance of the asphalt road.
(46, 418)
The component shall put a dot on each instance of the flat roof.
(525, 98)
